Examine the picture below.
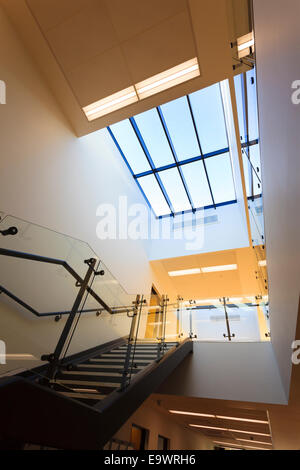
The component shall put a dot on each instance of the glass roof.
(178, 153)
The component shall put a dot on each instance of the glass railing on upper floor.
(243, 319)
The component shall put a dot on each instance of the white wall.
(278, 65)
(228, 371)
(50, 177)
(230, 232)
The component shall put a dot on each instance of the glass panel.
(254, 153)
(238, 80)
(252, 104)
(209, 116)
(247, 173)
(256, 185)
(209, 323)
(196, 181)
(175, 189)
(154, 137)
(180, 125)
(243, 323)
(130, 146)
(50, 288)
(256, 220)
(220, 176)
(154, 195)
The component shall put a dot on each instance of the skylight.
(178, 153)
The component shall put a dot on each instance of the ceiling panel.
(238, 282)
(167, 44)
(83, 36)
(157, 35)
(132, 17)
(50, 13)
(100, 77)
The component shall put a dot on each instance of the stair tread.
(89, 396)
(120, 360)
(105, 366)
(85, 383)
(95, 373)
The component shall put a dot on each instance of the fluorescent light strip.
(250, 432)
(254, 442)
(184, 272)
(225, 267)
(191, 413)
(208, 427)
(111, 103)
(233, 418)
(169, 78)
(228, 444)
(25, 357)
(245, 45)
(207, 269)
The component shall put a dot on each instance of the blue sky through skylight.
(179, 152)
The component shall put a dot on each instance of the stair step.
(86, 396)
(86, 383)
(104, 366)
(96, 374)
(123, 354)
(119, 360)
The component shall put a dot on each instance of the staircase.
(88, 400)
(80, 401)
(93, 379)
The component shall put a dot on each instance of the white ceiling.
(90, 49)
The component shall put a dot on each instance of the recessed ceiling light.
(191, 413)
(245, 45)
(207, 427)
(254, 442)
(184, 272)
(228, 444)
(249, 432)
(169, 78)
(25, 357)
(110, 103)
(225, 267)
(233, 418)
(236, 299)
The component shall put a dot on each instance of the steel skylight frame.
(155, 171)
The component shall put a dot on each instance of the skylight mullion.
(120, 150)
(200, 148)
(150, 161)
(166, 131)
(192, 159)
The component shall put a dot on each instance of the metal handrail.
(44, 259)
